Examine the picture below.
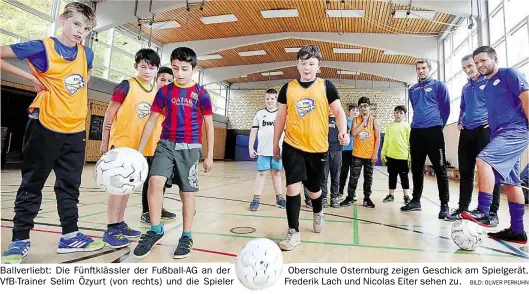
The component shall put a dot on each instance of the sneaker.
(145, 218)
(308, 203)
(509, 236)
(128, 231)
(348, 201)
(335, 202)
(79, 243)
(147, 243)
(389, 198)
(444, 212)
(455, 215)
(494, 221)
(407, 199)
(324, 203)
(281, 203)
(114, 239)
(411, 206)
(185, 245)
(368, 203)
(167, 214)
(254, 205)
(478, 217)
(291, 240)
(16, 252)
(317, 221)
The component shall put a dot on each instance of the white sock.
(70, 235)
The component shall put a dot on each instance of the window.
(502, 54)
(454, 110)
(497, 29)
(23, 23)
(474, 42)
(448, 69)
(460, 34)
(7, 39)
(448, 46)
(517, 11)
(493, 4)
(518, 42)
(125, 43)
(122, 63)
(525, 69)
(196, 76)
(218, 92)
(43, 6)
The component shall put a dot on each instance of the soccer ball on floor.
(467, 234)
(259, 264)
(121, 171)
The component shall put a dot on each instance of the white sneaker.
(291, 240)
(318, 222)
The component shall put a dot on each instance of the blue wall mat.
(241, 148)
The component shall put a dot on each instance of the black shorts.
(397, 166)
(301, 166)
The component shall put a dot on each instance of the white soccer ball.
(467, 234)
(121, 171)
(259, 264)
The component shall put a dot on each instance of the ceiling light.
(272, 73)
(347, 50)
(292, 50)
(415, 14)
(208, 57)
(244, 76)
(389, 52)
(218, 19)
(345, 13)
(278, 13)
(252, 53)
(164, 25)
(346, 72)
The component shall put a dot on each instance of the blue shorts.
(268, 162)
(503, 154)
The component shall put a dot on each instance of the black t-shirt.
(330, 90)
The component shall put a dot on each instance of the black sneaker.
(389, 198)
(335, 202)
(445, 211)
(509, 236)
(308, 203)
(348, 201)
(411, 206)
(494, 221)
(455, 215)
(478, 217)
(185, 245)
(167, 215)
(368, 203)
(147, 243)
(145, 218)
(406, 199)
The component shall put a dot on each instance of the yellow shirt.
(307, 121)
(64, 105)
(364, 142)
(397, 140)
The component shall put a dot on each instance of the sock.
(256, 198)
(187, 234)
(158, 229)
(70, 235)
(109, 226)
(317, 204)
(293, 207)
(484, 202)
(516, 210)
(279, 196)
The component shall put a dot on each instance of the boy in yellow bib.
(55, 134)
(127, 114)
(303, 108)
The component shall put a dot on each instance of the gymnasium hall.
(369, 49)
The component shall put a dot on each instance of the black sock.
(317, 204)
(112, 225)
(293, 208)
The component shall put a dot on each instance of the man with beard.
(507, 98)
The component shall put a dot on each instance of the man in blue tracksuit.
(431, 108)
(475, 131)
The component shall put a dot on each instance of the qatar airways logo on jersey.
(184, 101)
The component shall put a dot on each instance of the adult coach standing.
(431, 108)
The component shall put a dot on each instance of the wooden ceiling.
(311, 18)
(275, 52)
(291, 73)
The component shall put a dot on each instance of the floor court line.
(356, 232)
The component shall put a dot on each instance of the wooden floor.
(353, 234)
